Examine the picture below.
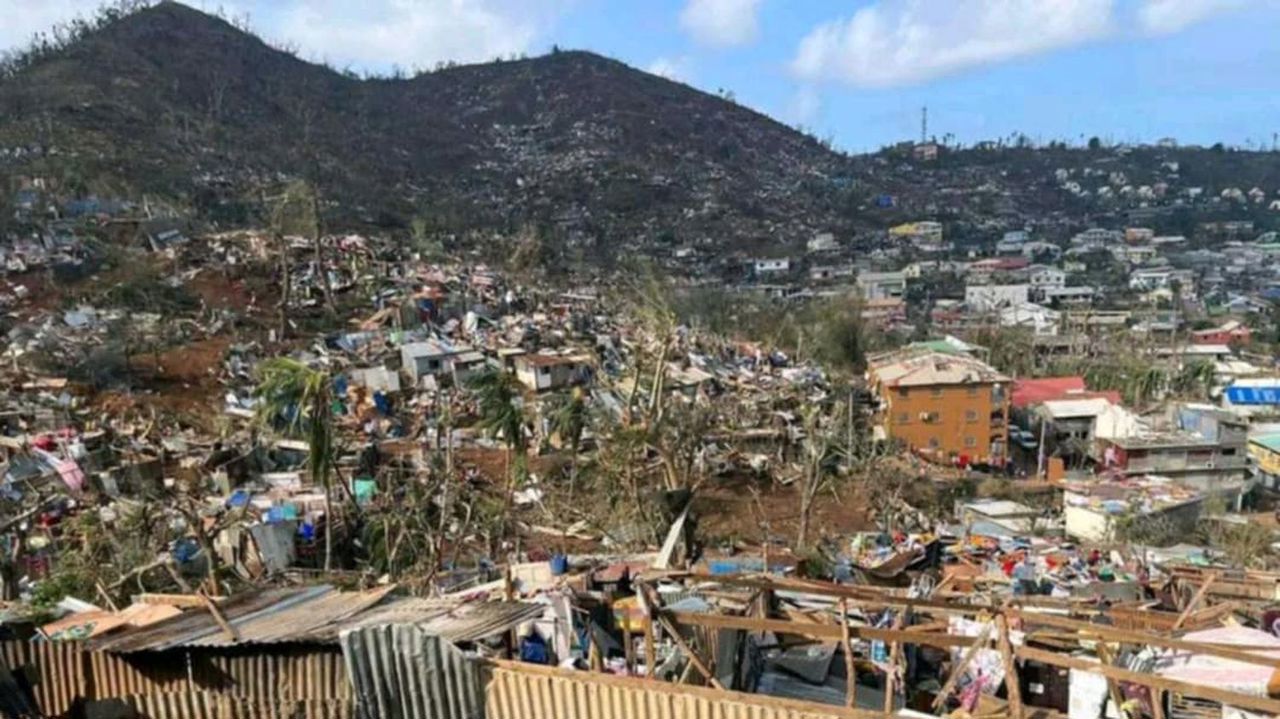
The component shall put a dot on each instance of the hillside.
(181, 105)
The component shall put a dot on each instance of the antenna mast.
(924, 124)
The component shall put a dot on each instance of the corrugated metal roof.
(317, 614)
(453, 621)
(404, 672)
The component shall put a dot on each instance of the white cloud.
(672, 68)
(901, 42)
(1165, 17)
(721, 23)
(411, 33)
(23, 18)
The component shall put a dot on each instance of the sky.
(856, 72)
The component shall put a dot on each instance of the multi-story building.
(949, 407)
(881, 285)
(1206, 449)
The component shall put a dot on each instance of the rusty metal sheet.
(456, 622)
(56, 672)
(400, 671)
(521, 691)
(316, 615)
(209, 705)
(192, 626)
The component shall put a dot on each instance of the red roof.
(1027, 392)
(1034, 391)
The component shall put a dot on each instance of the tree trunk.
(318, 245)
(506, 502)
(328, 526)
(806, 509)
(285, 283)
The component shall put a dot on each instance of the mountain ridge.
(173, 102)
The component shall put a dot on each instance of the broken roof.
(316, 614)
(934, 368)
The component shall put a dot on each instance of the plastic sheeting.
(399, 671)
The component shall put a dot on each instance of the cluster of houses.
(941, 401)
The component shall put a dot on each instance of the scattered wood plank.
(850, 671)
(1012, 687)
(982, 640)
(219, 618)
(1244, 701)
(1195, 601)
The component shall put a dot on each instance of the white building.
(985, 298)
(774, 265)
(1044, 277)
(429, 358)
(1070, 295)
(1042, 321)
(1097, 238)
(1033, 249)
(1159, 278)
(823, 242)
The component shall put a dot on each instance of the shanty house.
(466, 365)
(543, 372)
(430, 358)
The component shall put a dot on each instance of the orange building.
(949, 407)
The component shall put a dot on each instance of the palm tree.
(1147, 385)
(303, 397)
(569, 420)
(501, 416)
(1195, 379)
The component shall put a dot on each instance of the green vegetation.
(300, 399)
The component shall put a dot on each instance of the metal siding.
(56, 672)
(525, 692)
(401, 672)
(209, 705)
(62, 674)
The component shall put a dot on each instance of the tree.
(296, 211)
(820, 466)
(1095, 143)
(569, 414)
(292, 393)
(1245, 545)
(1195, 379)
(502, 417)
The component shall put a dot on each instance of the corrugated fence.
(397, 676)
(63, 676)
(401, 672)
(521, 691)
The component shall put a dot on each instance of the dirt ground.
(740, 510)
(184, 382)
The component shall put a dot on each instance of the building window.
(936, 391)
(902, 392)
(970, 442)
(934, 443)
(972, 390)
(904, 417)
(971, 415)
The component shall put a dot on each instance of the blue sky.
(855, 71)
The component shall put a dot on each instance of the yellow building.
(949, 407)
(1265, 452)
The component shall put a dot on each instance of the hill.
(177, 104)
